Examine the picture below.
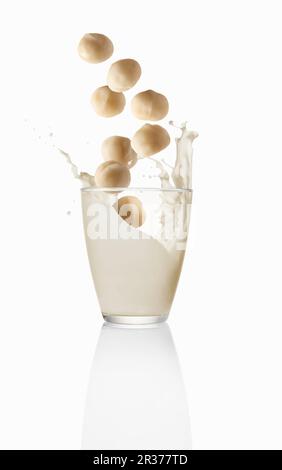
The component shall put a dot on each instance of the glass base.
(134, 319)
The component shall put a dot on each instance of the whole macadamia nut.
(130, 209)
(123, 74)
(107, 103)
(150, 139)
(149, 105)
(95, 48)
(112, 174)
(119, 149)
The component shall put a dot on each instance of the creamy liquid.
(134, 277)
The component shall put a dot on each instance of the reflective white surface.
(136, 397)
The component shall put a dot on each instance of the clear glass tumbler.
(136, 250)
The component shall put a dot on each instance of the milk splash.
(178, 176)
(86, 178)
(182, 172)
(172, 208)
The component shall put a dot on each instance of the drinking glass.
(136, 254)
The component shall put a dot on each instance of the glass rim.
(118, 189)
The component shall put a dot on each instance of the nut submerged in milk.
(131, 210)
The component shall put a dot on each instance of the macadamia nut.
(130, 209)
(95, 48)
(123, 74)
(149, 105)
(150, 139)
(119, 149)
(107, 103)
(112, 174)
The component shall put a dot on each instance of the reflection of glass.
(136, 397)
(136, 269)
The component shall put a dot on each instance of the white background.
(219, 62)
